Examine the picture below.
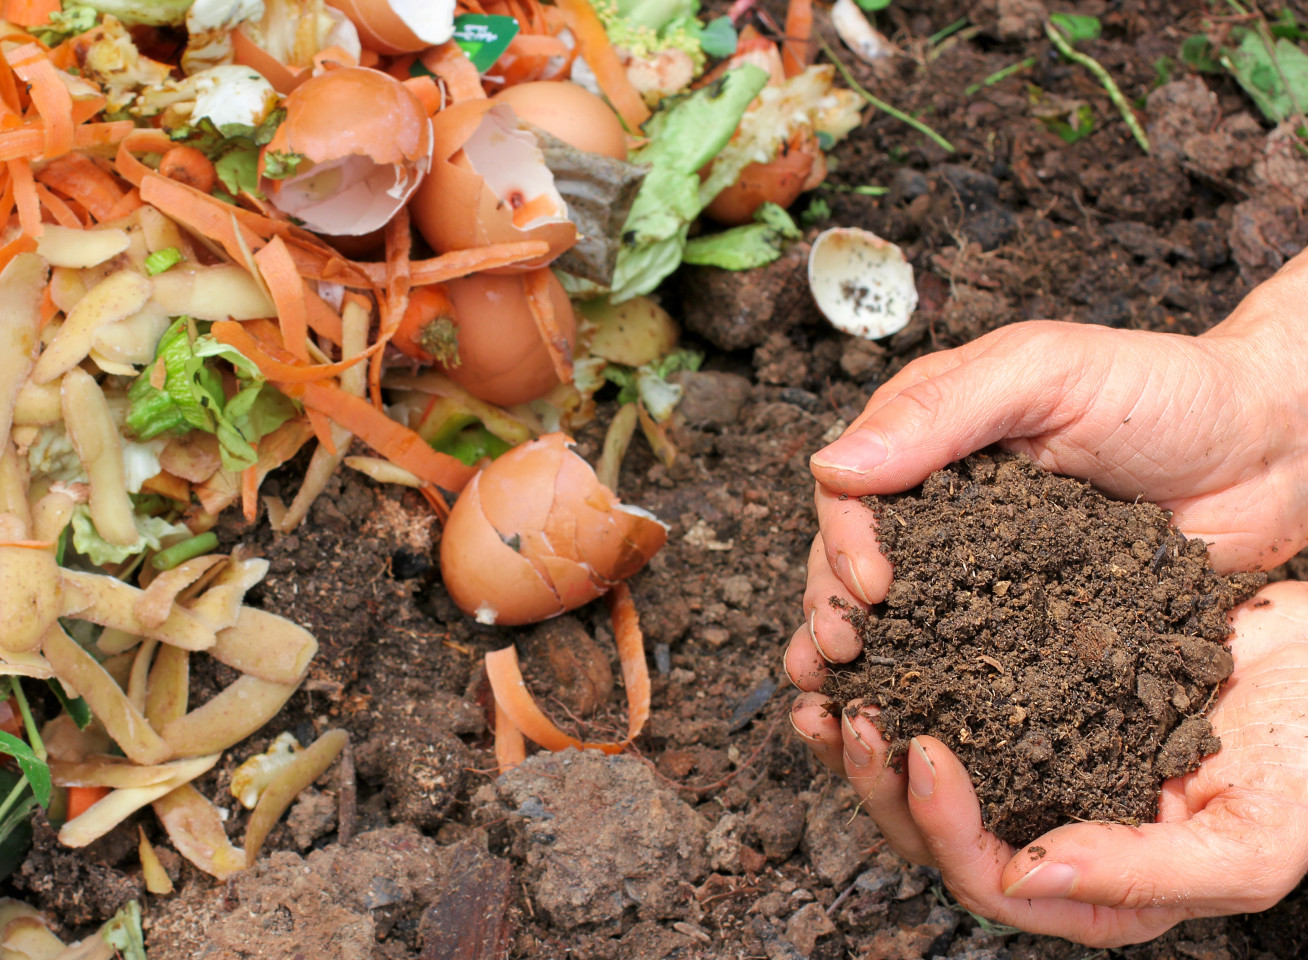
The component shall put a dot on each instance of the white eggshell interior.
(510, 161)
(861, 283)
(432, 21)
(350, 196)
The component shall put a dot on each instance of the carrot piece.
(130, 201)
(594, 47)
(58, 209)
(21, 244)
(512, 697)
(510, 747)
(425, 305)
(139, 141)
(29, 204)
(287, 290)
(79, 178)
(323, 320)
(437, 502)
(537, 286)
(49, 95)
(198, 212)
(452, 66)
(461, 263)
(399, 241)
(47, 307)
(81, 799)
(250, 493)
(797, 47)
(425, 89)
(189, 166)
(31, 13)
(394, 441)
(284, 369)
(322, 429)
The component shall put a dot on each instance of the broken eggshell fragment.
(393, 27)
(535, 534)
(365, 142)
(861, 283)
(489, 184)
(854, 30)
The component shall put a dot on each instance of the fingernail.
(921, 776)
(798, 732)
(1047, 880)
(857, 750)
(812, 634)
(857, 452)
(845, 571)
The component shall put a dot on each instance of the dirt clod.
(1064, 645)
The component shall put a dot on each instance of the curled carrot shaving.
(264, 355)
(250, 493)
(436, 501)
(28, 544)
(31, 13)
(197, 212)
(287, 290)
(518, 706)
(394, 441)
(322, 430)
(81, 799)
(49, 95)
(61, 212)
(79, 178)
(399, 241)
(594, 47)
(797, 47)
(510, 747)
(453, 68)
(189, 166)
(537, 286)
(29, 204)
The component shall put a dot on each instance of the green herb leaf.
(1284, 26)
(35, 770)
(1077, 27)
(238, 171)
(718, 38)
(123, 932)
(1072, 127)
(473, 443)
(747, 247)
(161, 260)
(871, 6)
(75, 707)
(278, 165)
(16, 823)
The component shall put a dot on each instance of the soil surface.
(1064, 645)
(719, 836)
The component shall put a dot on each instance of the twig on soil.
(880, 104)
(1105, 80)
(347, 815)
(1000, 75)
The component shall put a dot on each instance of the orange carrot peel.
(515, 706)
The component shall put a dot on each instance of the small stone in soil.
(1064, 645)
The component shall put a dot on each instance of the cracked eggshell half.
(393, 27)
(861, 283)
(535, 534)
(489, 184)
(366, 142)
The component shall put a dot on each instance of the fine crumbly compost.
(1064, 645)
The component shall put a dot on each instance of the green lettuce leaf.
(747, 247)
(89, 543)
(192, 396)
(683, 138)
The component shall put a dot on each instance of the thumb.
(1227, 859)
(944, 406)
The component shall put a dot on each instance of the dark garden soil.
(718, 836)
(1064, 644)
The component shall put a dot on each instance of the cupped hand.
(1231, 837)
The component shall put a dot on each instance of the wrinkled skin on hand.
(1211, 428)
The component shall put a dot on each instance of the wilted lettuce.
(747, 247)
(684, 136)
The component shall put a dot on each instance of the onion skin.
(502, 359)
(779, 181)
(535, 534)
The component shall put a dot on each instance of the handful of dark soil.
(1064, 645)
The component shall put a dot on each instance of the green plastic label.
(484, 37)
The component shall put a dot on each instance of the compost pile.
(1066, 646)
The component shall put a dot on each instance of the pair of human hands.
(1214, 429)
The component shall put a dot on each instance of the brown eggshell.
(382, 29)
(570, 112)
(367, 125)
(780, 181)
(543, 499)
(486, 577)
(501, 356)
(455, 209)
